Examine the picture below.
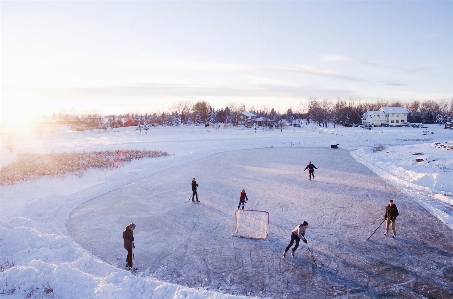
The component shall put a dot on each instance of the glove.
(305, 240)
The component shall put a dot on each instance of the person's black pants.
(129, 257)
(311, 173)
(293, 238)
(241, 202)
(194, 194)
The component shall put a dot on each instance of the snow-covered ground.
(61, 237)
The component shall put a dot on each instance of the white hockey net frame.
(253, 224)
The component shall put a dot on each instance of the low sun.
(17, 115)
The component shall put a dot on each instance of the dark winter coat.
(243, 196)
(194, 186)
(128, 237)
(311, 167)
(391, 212)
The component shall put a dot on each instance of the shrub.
(10, 146)
(378, 148)
(33, 166)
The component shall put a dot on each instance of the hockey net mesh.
(252, 224)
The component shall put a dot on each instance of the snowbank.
(39, 258)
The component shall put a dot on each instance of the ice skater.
(194, 190)
(311, 170)
(391, 212)
(242, 199)
(128, 237)
(297, 234)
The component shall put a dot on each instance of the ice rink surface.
(192, 244)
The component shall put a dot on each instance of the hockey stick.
(133, 255)
(375, 230)
(133, 268)
(312, 255)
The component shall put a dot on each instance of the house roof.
(400, 110)
(263, 119)
(373, 113)
(246, 113)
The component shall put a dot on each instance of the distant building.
(246, 119)
(386, 116)
(395, 116)
(374, 118)
(264, 121)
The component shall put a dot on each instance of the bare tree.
(184, 109)
(201, 110)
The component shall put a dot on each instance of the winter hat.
(305, 223)
(132, 225)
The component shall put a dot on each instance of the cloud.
(352, 61)
(393, 83)
(168, 90)
(312, 71)
(338, 59)
(372, 64)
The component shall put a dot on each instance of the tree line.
(320, 112)
(351, 112)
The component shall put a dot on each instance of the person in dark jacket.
(297, 234)
(194, 190)
(391, 212)
(128, 237)
(311, 170)
(242, 199)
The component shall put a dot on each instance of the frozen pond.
(192, 244)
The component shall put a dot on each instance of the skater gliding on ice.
(311, 170)
(242, 199)
(128, 237)
(391, 212)
(194, 190)
(297, 234)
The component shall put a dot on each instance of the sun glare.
(18, 113)
(13, 122)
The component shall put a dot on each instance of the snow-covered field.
(62, 237)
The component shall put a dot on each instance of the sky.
(126, 56)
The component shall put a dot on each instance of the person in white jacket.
(297, 234)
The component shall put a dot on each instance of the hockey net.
(252, 224)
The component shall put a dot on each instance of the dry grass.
(33, 166)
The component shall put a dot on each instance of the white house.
(395, 116)
(387, 116)
(374, 118)
(246, 119)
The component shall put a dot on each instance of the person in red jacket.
(242, 199)
(128, 237)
